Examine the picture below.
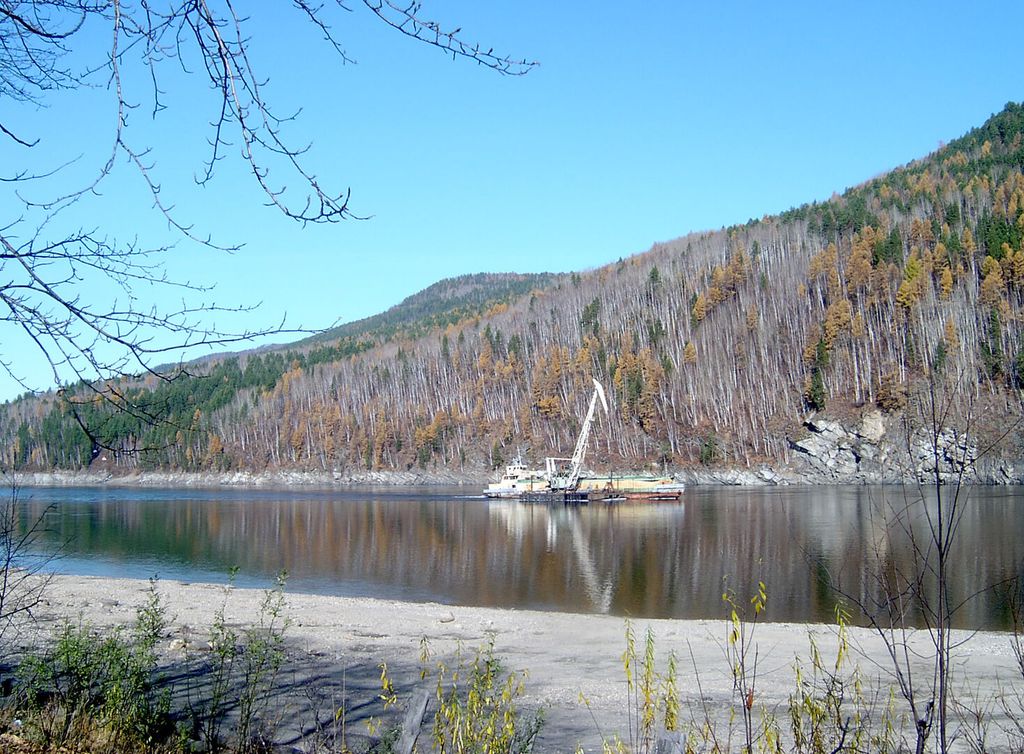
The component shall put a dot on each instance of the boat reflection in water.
(565, 523)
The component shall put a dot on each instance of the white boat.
(564, 478)
(516, 480)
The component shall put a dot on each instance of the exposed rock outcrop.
(873, 452)
(835, 453)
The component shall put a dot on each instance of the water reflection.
(810, 545)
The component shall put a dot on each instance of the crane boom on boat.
(567, 477)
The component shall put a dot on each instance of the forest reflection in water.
(643, 560)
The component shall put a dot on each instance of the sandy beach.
(336, 644)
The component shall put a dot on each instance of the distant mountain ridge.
(442, 303)
(714, 348)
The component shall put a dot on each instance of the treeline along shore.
(874, 450)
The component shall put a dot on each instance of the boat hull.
(632, 487)
(515, 488)
(519, 482)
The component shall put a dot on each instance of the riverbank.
(871, 449)
(823, 470)
(336, 645)
(280, 478)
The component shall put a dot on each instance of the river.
(813, 547)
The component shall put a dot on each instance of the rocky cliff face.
(857, 454)
(875, 452)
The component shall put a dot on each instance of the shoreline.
(475, 482)
(280, 479)
(825, 452)
(336, 644)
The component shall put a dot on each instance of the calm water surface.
(648, 560)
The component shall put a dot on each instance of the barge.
(562, 481)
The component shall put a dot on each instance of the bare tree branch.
(408, 19)
(24, 562)
(50, 46)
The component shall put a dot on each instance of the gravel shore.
(336, 645)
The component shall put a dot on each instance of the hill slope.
(714, 347)
(444, 303)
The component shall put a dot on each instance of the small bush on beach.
(97, 690)
(239, 672)
(100, 691)
(476, 706)
(478, 710)
(828, 710)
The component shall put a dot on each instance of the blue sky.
(642, 122)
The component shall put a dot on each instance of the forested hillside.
(444, 303)
(714, 347)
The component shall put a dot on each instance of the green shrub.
(242, 666)
(480, 713)
(95, 686)
(477, 706)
